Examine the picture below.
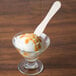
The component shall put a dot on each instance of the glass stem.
(31, 64)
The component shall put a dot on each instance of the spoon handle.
(55, 7)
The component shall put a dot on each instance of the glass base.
(30, 68)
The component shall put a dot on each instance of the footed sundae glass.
(30, 65)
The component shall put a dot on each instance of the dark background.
(19, 15)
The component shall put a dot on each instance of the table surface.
(19, 15)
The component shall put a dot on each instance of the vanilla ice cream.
(29, 42)
(30, 45)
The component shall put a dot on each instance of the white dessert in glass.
(30, 46)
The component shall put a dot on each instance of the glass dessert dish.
(30, 65)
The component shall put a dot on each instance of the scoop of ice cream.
(29, 42)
